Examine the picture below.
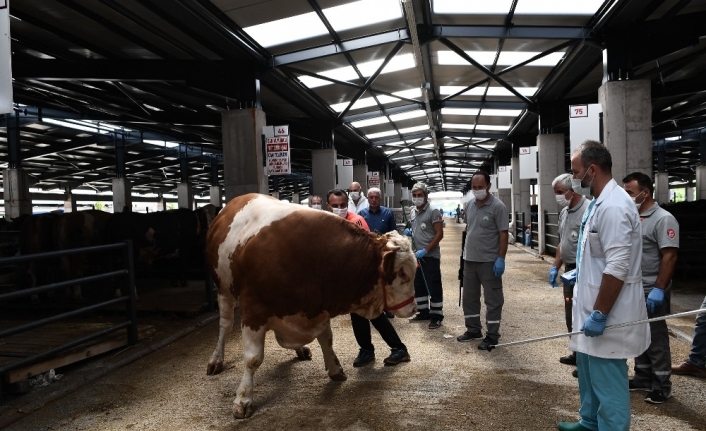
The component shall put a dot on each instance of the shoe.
(657, 397)
(364, 358)
(468, 336)
(689, 369)
(487, 343)
(632, 386)
(419, 317)
(571, 426)
(389, 315)
(575, 373)
(434, 324)
(397, 356)
(568, 360)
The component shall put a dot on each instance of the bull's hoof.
(340, 377)
(242, 410)
(303, 353)
(214, 368)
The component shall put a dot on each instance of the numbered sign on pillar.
(584, 124)
(504, 177)
(373, 179)
(344, 168)
(528, 163)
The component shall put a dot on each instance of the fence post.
(132, 335)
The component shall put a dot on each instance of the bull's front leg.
(226, 309)
(253, 354)
(333, 366)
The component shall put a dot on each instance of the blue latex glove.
(499, 267)
(552, 276)
(407, 232)
(420, 253)
(595, 324)
(655, 299)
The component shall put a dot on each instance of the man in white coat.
(608, 291)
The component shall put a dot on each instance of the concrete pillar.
(185, 196)
(662, 188)
(243, 168)
(323, 171)
(16, 191)
(627, 125)
(360, 174)
(551, 164)
(525, 200)
(69, 202)
(295, 198)
(700, 182)
(122, 198)
(505, 195)
(398, 195)
(216, 196)
(161, 204)
(275, 195)
(689, 194)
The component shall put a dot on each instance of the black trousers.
(361, 330)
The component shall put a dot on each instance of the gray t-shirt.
(659, 230)
(569, 224)
(483, 227)
(423, 228)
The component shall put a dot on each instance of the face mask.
(418, 202)
(480, 194)
(316, 206)
(638, 205)
(355, 195)
(341, 212)
(562, 201)
(576, 184)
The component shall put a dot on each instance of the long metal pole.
(617, 325)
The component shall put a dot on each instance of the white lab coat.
(611, 244)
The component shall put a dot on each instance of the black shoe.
(434, 324)
(468, 336)
(575, 373)
(397, 356)
(364, 358)
(420, 317)
(632, 386)
(487, 343)
(568, 360)
(389, 315)
(657, 397)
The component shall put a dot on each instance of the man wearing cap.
(427, 230)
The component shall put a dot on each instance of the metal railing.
(520, 226)
(551, 232)
(129, 298)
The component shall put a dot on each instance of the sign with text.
(278, 156)
(281, 130)
(576, 111)
(374, 179)
(5, 59)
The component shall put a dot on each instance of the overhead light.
(506, 58)
(369, 101)
(501, 7)
(475, 126)
(399, 62)
(394, 132)
(492, 91)
(486, 112)
(77, 125)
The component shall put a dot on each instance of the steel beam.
(511, 32)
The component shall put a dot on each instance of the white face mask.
(316, 206)
(418, 202)
(480, 194)
(341, 212)
(562, 201)
(638, 205)
(576, 184)
(355, 195)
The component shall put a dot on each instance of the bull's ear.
(387, 268)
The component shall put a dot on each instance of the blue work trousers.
(605, 398)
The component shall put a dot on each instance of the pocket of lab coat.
(594, 242)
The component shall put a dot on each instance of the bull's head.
(397, 274)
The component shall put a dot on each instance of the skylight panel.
(347, 73)
(507, 58)
(308, 25)
(492, 91)
(484, 112)
(383, 119)
(476, 126)
(524, 7)
(370, 122)
(408, 115)
(394, 132)
(369, 101)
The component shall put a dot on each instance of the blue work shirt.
(380, 222)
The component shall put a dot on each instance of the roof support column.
(520, 195)
(15, 181)
(215, 192)
(275, 187)
(122, 195)
(69, 201)
(243, 163)
(550, 148)
(661, 177)
(323, 172)
(185, 191)
(627, 125)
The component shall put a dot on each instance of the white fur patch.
(256, 214)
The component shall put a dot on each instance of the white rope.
(617, 325)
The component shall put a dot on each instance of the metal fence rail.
(129, 298)
(551, 232)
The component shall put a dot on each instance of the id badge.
(569, 277)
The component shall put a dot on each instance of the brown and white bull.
(291, 269)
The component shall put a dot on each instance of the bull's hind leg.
(226, 309)
(253, 354)
(333, 366)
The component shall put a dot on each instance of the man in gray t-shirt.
(660, 245)
(573, 206)
(484, 261)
